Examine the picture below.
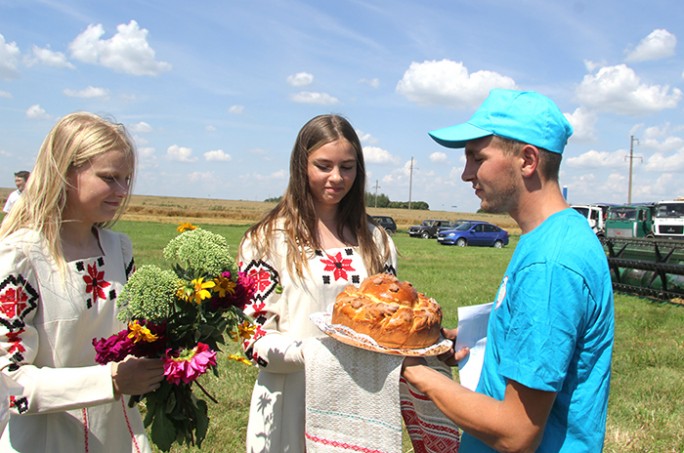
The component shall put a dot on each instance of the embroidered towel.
(430, 430)
(352, 399)
(355, 401)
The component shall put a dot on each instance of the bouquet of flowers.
(181, 316)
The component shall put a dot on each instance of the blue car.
(474, 233)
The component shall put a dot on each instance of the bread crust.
(390, 311)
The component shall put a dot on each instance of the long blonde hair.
(296, 214)
(72, 142)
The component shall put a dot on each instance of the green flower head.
(149, 294)
(201, 251)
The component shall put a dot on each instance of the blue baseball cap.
(525, 116)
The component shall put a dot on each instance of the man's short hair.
(23, 174)
(549, 162)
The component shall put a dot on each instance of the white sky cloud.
(666, 162)
(36, 112)
(659, 44)
(180, 153)
(373, 83)
(9, 59)
(200, 176)
(141, 127)
(236, 109)
(583, 123)
(312, 97)
(147, 158)
(618, 89)
(233, 89)
(365, 137)
(217, 155)
(377, 155)
(48, 57)
(447, 82)
(439, 156)
(127, 51)
(89, 92)
(300, 79)
(595, 159)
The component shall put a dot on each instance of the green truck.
(630, 221)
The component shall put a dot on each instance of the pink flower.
(114, 348)
(189, 364)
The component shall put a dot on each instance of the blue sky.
(214, 92)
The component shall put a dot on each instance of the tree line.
(380, 201)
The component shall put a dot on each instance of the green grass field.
(646, 407)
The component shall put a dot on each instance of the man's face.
(493, 175)
(20, 183)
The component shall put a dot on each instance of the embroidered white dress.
(47, 325)
(281, 306)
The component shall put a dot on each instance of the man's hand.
(452, 357)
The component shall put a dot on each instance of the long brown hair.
(296, 214)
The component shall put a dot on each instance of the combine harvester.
(642, 261)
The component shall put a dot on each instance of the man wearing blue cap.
(546, 372)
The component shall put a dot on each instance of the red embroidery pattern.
(95, 284)
(17, 300)
(262, 279)
(13, 301)
(265, 278)
(258, 309)
(427, 435)
(338, 266)
(344, 445)
(19, 403)
(15, 342)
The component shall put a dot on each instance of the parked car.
(386, 222)
(427, 229)
(474, 233)
(450, 225)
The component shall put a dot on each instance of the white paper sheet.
(472, 333)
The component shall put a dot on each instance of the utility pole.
(376, 193)
(410, 182)
(632, 139)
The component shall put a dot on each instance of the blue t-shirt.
(551, 329)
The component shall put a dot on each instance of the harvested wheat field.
(239, 212)
(177, 209)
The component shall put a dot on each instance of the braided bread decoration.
(390, 311)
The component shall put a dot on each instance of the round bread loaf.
(390, 311)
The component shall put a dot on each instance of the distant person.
(316, 241)
(61, 270)
(545, 379)
(20, 179)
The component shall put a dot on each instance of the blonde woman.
(61, 270)
(316, 241)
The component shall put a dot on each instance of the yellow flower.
(224, 286)
(197, 291)
(186, 226)
(140, 333)
(245, 331)
(239, 358)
